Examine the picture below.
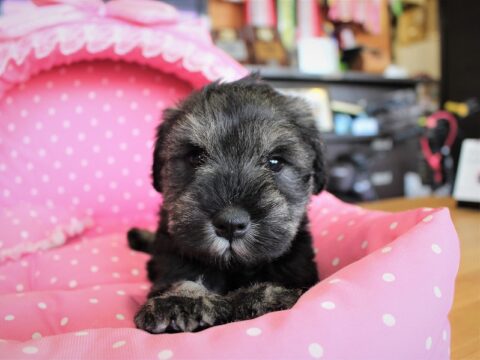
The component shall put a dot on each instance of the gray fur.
(214, 151)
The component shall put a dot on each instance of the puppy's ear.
(251, 79)
(311, 135)
(320, 174)
(169, 116)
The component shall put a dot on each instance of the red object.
(434, 160)
(310, 21)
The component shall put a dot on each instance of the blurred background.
(376, 72)
(394, 84)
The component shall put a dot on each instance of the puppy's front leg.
(141, 240)
(259, 299)
(184, 306)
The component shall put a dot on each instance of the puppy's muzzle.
(231, 223)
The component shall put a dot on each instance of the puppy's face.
(236, 164)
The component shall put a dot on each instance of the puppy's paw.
(182, 314)
(261, 299)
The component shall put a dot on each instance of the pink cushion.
(27, 228)
(76, 144)
(386, 292)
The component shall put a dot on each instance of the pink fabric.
(145, 12)
(76, 143)
(386, 291)
(27, 228)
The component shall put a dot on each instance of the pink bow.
(55, 12)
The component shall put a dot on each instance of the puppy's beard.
(225, 252)
(245, 248)
(218, 246)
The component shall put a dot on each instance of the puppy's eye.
(275, 163)
(196, 157)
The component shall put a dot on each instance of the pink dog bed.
(75, 149)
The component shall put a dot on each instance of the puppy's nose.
(231, 222)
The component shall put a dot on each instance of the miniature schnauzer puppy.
(236, 164)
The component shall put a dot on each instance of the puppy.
(236, 164)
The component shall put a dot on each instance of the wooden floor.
(465, 314)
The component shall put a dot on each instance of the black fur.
(214, 151)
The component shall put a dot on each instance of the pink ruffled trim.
(59, 236)
(170, 50)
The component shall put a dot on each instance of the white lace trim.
(58, 237)
(67, 41)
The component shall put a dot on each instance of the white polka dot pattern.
(394, 225)
(386, 249)
(254, 331)
(436, 249)
(75, 146)
(428, 343)
(315, 350)
(389, 320)
(30, 350)
(388, 277)
(428, 218)
(165, 354)
(119, 344)
(328, 305)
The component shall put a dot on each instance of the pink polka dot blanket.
(77, 120)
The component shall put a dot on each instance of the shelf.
(332, 137)
(293, 75)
